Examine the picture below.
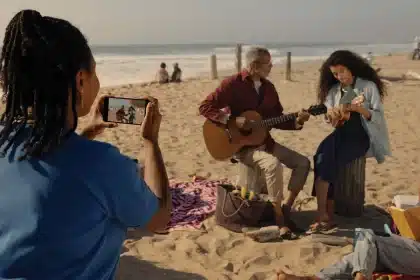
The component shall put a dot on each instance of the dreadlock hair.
(357, 65)
(39, 61)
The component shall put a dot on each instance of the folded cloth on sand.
(192, 203)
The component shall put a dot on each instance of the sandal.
(320, 227)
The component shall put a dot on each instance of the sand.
(218, 254)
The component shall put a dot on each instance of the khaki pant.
(271, 165)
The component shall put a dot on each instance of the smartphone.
(125, 110)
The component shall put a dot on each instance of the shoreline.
(205, 75)
(227, 72)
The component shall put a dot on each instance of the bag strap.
(236, 211)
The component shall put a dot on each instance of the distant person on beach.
(369, 58)
(162, 74)
(371, 253)
(176, 74)
(251, 90)
(416, 48)
(67, 200)
(363, 134)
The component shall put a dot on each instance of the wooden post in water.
(238, 57)
(213, 67)
(289, 66)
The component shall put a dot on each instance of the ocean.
(117, 65)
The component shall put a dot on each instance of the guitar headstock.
(316, 110)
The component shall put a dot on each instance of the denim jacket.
(376, 127)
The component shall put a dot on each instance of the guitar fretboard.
(268, 123)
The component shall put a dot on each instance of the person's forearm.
(364, 112)
(155, 174)
(212, 112)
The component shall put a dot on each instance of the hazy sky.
(248, 21)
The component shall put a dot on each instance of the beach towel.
(192, 203)
(393, 276)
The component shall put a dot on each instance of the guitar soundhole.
(245, 132)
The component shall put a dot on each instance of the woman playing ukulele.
(360, 127)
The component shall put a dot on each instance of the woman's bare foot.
(322, 218)
(322, 224)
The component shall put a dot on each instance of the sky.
(117, 22)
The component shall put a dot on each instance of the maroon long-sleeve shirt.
(238, 93)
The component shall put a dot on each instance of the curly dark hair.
(357, 65)
(39, 61)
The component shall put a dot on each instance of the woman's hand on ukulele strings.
(356, 104)
(335, 115)
(358, 101)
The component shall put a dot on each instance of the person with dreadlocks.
(353, 93)
(64, 197)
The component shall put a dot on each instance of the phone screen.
(125, 110)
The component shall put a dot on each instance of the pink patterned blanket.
(192, 203)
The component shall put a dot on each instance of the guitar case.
(234, 213)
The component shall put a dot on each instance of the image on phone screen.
(125, 110)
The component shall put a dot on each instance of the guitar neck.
(269, 123)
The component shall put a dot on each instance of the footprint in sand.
(217, 246)
(224, 277)
(235, 243)
(258, 260)
(166, 245)
(169, 163)
(384, 183)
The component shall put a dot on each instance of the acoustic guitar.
(223, 140)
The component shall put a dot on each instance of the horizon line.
(248, 43)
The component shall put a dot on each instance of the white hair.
(254, 54)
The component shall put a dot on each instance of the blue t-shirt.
(66, 216)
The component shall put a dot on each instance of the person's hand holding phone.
(96, 124)
(151, 123)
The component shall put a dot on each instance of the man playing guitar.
(250, 90)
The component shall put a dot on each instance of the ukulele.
(349, 95)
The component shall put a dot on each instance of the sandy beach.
(215, 253)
